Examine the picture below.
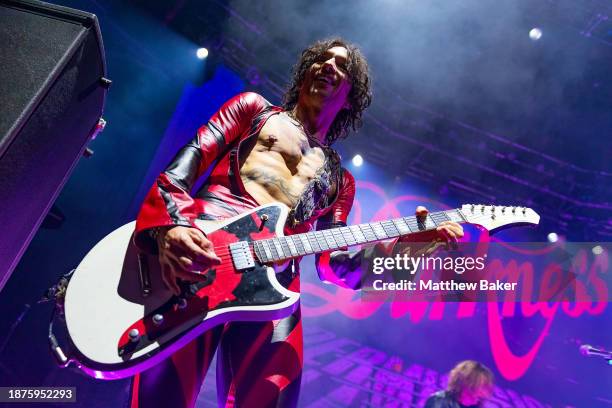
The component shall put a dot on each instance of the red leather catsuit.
(258, 364)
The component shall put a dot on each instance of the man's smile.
(325, 79)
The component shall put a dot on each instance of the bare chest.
(281, 137)
(281, 163)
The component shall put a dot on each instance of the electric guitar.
(121, 319)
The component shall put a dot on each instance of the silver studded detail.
(134, 335)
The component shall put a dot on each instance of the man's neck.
(316, 120)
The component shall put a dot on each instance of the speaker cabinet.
(52, 90)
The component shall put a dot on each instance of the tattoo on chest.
(270, 180)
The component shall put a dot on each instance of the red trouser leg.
(260, 364)
(176, 381)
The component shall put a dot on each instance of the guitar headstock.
(497, 217)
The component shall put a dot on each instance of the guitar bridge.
(241, 255)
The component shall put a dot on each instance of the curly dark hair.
(359, 97)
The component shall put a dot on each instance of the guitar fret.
(313, 241)
(379, 230)
(348, 236)
(455, 215)
(277, 247)
(430, 223)
(401, 226)
(356, 232)
(412, 224)
(285, 247)
(321, 241)
(390, 228)
(291, 246)
(259, 252)
(269, 244)
(298, 244)
(305, 243)
(266, 249)
(338, 237)
(331, 242)
(440, 216)
(368, 232)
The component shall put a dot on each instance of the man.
(259, 154)
(469, 385)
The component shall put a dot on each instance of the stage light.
(202, 53)
(357, 160)
(553, 237)
(597, 250)
(535, 34)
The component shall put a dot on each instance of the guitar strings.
(224, 251)
(226, 270)
(477, 217)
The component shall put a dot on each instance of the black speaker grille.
(52, 99)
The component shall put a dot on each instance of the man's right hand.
(184, 252)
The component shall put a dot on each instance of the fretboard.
(293, 246)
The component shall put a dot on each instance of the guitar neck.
(292, 246)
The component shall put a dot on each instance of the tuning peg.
(524, 210)
(503, 209)
(513, 210)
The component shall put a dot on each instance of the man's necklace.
(301, 126)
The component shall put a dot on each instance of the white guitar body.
(121, 319)
(105, 296)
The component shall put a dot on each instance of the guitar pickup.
(241, 255)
